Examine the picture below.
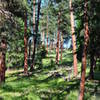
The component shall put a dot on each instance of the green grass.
(47, 83)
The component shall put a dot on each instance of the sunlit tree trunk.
(2, 60)
(29, 52)
(73, 39)
(86, 40)
(61, 46)
(34, 37)
(25, 45)
(58, 33)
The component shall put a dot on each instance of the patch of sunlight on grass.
(72, 95)
(45, 84)
(46, 62)
(60, 80)
(32, 96)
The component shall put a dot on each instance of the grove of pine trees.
(34, 40)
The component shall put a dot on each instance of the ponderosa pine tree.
(84, 55)
(10, 25)
(3, 42)
(36, 31)
(3, 47)
(73, 39)
(34, 37)
(58, 38)
(47, 32)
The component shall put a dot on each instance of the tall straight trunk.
(51, 45)
(57, 48)
(47, 32)
(34, 24)
(73, 39)
(35, 35)
(2, 61)
(25, 45)
(58, 33)
(86, 40)
(29, 52)
(61, 46)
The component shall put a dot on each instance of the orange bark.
(73, 40)
(58, 33)
(86, 40)
(61, 46)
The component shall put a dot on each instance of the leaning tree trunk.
(34, 38)
(2, 61)
(58, 33)
(25, 45)
(86, 37)
(73, 40)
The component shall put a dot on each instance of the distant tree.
(47, 31)
(61, 46)
(25, 45)
(58, 38)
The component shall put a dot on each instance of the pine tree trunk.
(2, 61)
(73, 40)
(3, 43)
(34, 38)
(35, 35)
(86, 37)
(57, 48)
(47, 33)
(61, 46)
(58, 33)
(25, 46)
(2, 68)
(29, 52)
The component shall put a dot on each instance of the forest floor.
(49, 82)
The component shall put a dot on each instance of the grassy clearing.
(49, 82)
